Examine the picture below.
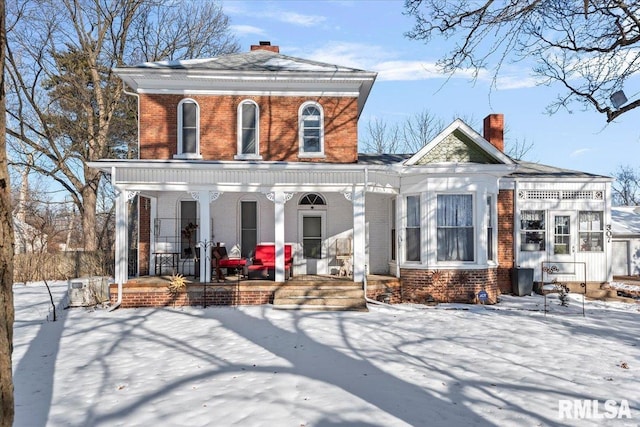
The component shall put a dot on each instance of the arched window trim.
(256, 154)
(315, 200)
(181, 154)
(301, 151)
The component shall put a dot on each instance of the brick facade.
(278, 127)
(424, 286)
(139, 295)
(506, 248)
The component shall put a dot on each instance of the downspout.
(119, 300)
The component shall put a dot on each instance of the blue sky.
(369, 34)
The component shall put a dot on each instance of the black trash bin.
(522, 281)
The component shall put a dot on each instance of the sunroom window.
(455, 227)
(412, 231)
(591, 231)
(311, 124)
(248, 130)
(532, 231)
(188, 129)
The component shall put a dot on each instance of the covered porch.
(316, 212)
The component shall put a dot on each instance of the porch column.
(278, 203)
(205, 234)
(359, 230)
(121, 245)
(153, 220)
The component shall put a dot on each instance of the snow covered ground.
(452, 365)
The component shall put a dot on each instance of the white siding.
(379, 233)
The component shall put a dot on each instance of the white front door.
(562, 247)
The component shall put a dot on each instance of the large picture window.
(412, 231)
(455, 227)
(248, 130)
(311, 125)
(188, 132)
(532, 231)
(591, 231)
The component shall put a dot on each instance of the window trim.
(491, 229)
(301, 128)
(473, 227)
(180, 149)
(585, 248)
(323, 231)
(181, 224)
(405, 227)
(523, 232)
(240, 228)
(256, 154)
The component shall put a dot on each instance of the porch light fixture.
(618, 99)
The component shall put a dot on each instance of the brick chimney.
(494, 130)
(265, 45)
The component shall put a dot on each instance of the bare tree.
(590, 48)
(67, 105)
(382, 137)
(6, 254)
(626, 187)
(518, 148)
(420, 128)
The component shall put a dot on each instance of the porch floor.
(164, 280)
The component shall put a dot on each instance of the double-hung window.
(532, 231)
(412, 231)
(490, 227)
(591, 232)
(188, 129)
(248, 130)
(311, 125)
(455, 227)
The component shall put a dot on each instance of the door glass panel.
(562, 235)
(312, 237)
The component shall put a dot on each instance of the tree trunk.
(6, 254)
(89, 223)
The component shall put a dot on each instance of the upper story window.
(248, 131)
(311, 125)
(188, 129)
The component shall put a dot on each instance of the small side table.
(166, 259)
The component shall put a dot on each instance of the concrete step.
(325, 297)
(320, 292)
(362, 307)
